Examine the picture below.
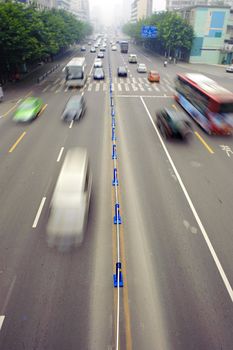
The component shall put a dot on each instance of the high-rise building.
(80, 8)
(180, 4)
(141, 9)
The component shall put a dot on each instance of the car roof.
(175, 115)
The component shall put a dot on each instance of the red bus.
(209, 104)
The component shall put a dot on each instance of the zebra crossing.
(120, 85)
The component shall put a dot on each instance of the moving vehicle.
(89, 43)
(153, 76)
(1, 93)
(98, 63)
(142, 68)
(208, 103)
(98, 74)
(173, 124)
(100, 55)
(28, 109)
(83, 48)
(102, 49)
(75, 108)
(70, 201)
(75, 72)
(132, 58)
(230, 69)
(124, 45)
(92, 50)
(114, 48)
(122, 71)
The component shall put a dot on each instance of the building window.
(218, 34)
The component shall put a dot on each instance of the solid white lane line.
(91, 69)
(3, 311)
(145, 96)
(1, 321)
(39, 212)
(195, 214)
(60, 154)
(71, 124)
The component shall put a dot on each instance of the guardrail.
(44, 76)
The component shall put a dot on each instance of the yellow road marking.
(204, 143)
(42, 109)
(128, 335)
(16, 143)
(15, 105)
(174, 106)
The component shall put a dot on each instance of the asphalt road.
(176, 236)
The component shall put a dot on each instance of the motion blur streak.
(203, 231)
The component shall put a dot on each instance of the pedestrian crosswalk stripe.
(170, 88)
(119, 87)
(89, 87)
(134, 87)
(104, 87)
(97, 87)
(126, 87)
(155, 87)
(140, 87)
(163, 88)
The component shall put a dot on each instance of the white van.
(70, 201)
(133, 58)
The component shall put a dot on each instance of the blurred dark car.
(122, 71)
(75, 108)
(173, 124)
(83, 48)
(98, 74)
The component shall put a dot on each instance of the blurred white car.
(70, 201)
(230, 69)
(114, 48)
(98, 63)
(132, 58)
(142, 68)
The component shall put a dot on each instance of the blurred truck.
(124, 46)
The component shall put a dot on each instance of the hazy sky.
(110, 9)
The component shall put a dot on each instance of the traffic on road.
(116, 189)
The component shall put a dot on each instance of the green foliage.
(174, 33)
(27, 34)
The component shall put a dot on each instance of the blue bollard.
(114, 154)
(115, 179)
(113, 134)
(117, 218)
(112, 111)
(118, 282)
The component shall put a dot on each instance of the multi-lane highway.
(176, 234)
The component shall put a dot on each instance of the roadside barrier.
(42, 77)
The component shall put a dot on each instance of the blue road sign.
(149, 32)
